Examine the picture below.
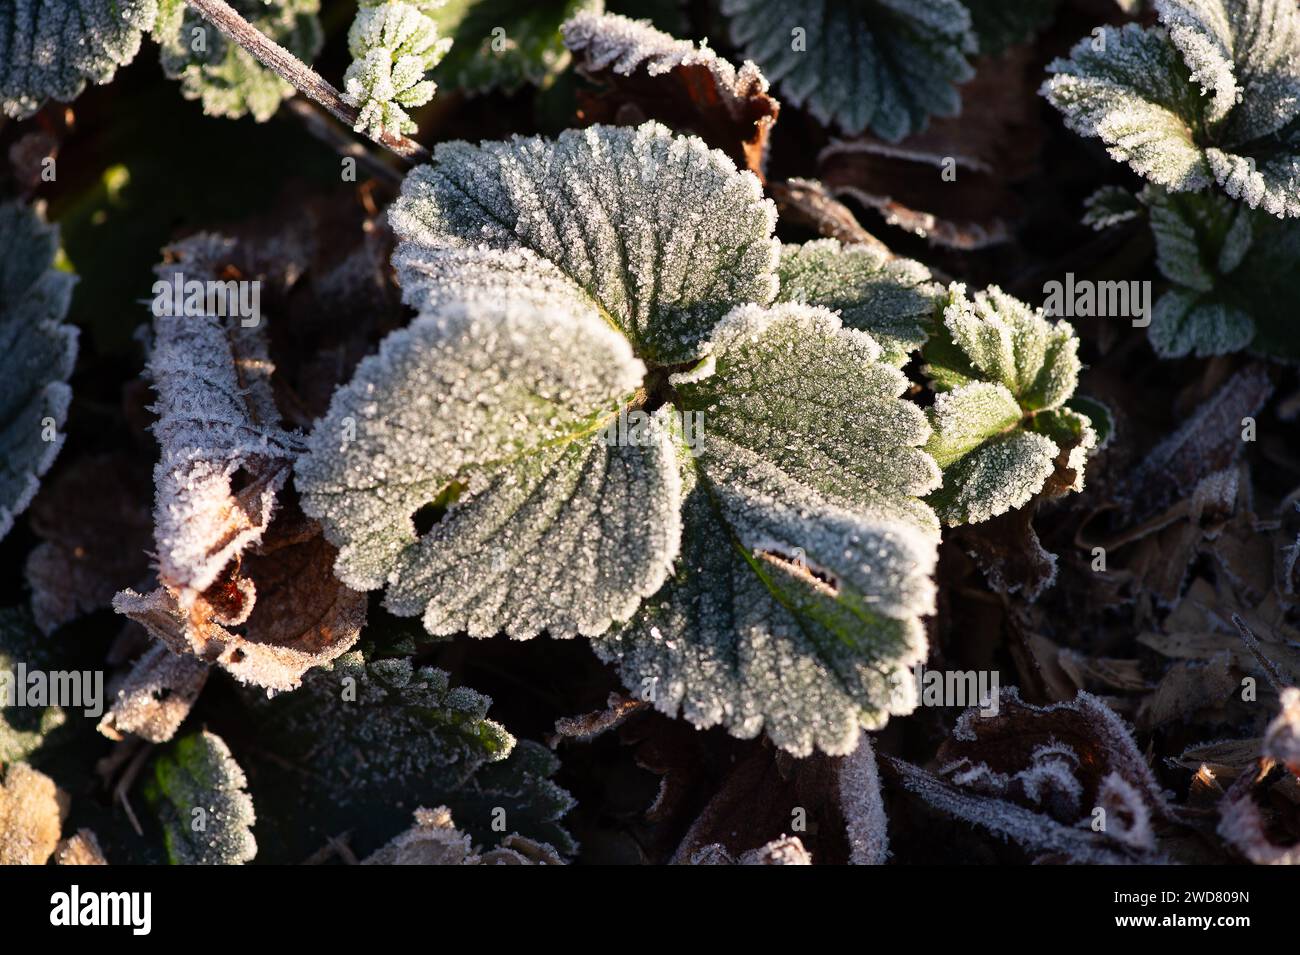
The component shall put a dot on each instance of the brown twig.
(293, 70)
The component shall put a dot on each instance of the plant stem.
(293, 70)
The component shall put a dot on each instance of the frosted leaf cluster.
(200, 795)
(38, 357)
(435, 840)
(227, 79)
(504, 44)
(1210, 96)
(393, 45)
(1231, 271)
(1003, 373)
(527, 455)
(886, 65)
(50, 49)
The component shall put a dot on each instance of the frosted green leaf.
(549, 526)
(393, 45)
(200, 796)
(504, 44)
(1231, 272)
(50, 49)
(999, 24)
(806, 554)
(657, 233)
(891, 299)
(887, 65)
(521, 785)
(1211, 97)
(216, 70)
(1110, 206)
(23, 728)
(1003, 371)
(37, 353)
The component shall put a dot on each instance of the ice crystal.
(527, 455)
(1004, 373)
(200, 795)
(393, 45)
(1211, 96)
(227, 78)
(50, 49)
(884, 64)
(38, 356)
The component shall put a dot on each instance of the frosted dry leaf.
(96, 531)
(1210, 96)
(550, 526)
(155, 697)
(38, 358)
(434, 840)
(675, 81)
(890, 299)
(804, 624)
(1282, 738)
(393, 45)
(787, 850)
(1003, 373)
(32, 810)
(1110, 206)
(1247, 817)
(50, 49)
(885, 64)
(80, 848)
(866, 825)
(656, 233)
(228, 80)
(224, 455)
(198, 780)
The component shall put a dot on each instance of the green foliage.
(1003, 374)
(999, 24)
(887, 65)
(23, 728)
(50, 49)
(1231, 271)
(393, 45)
(38, 356)
(200, 796)
(228, 80)
(1213, 97)
(504, 44)
(584, 303)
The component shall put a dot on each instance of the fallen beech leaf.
(32, 809)
(648, 74)
(787, 850)
(1254, 815)
(1188, 690)
(435, 840)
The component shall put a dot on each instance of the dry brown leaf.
(81, 848)
(435, 840)
(156, 695)
(32, 810)
(647, 74)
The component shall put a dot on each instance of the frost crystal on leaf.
(656, 234)
(884, 64)
(51, 48)
(393, 45)
(892, 300)
(1213, 96)
(32, 809)
(200, 796)
(221, 73)
(1003, 373)
(503, 44)
(38, 356)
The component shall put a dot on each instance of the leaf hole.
(429, 516)
(798, 565)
